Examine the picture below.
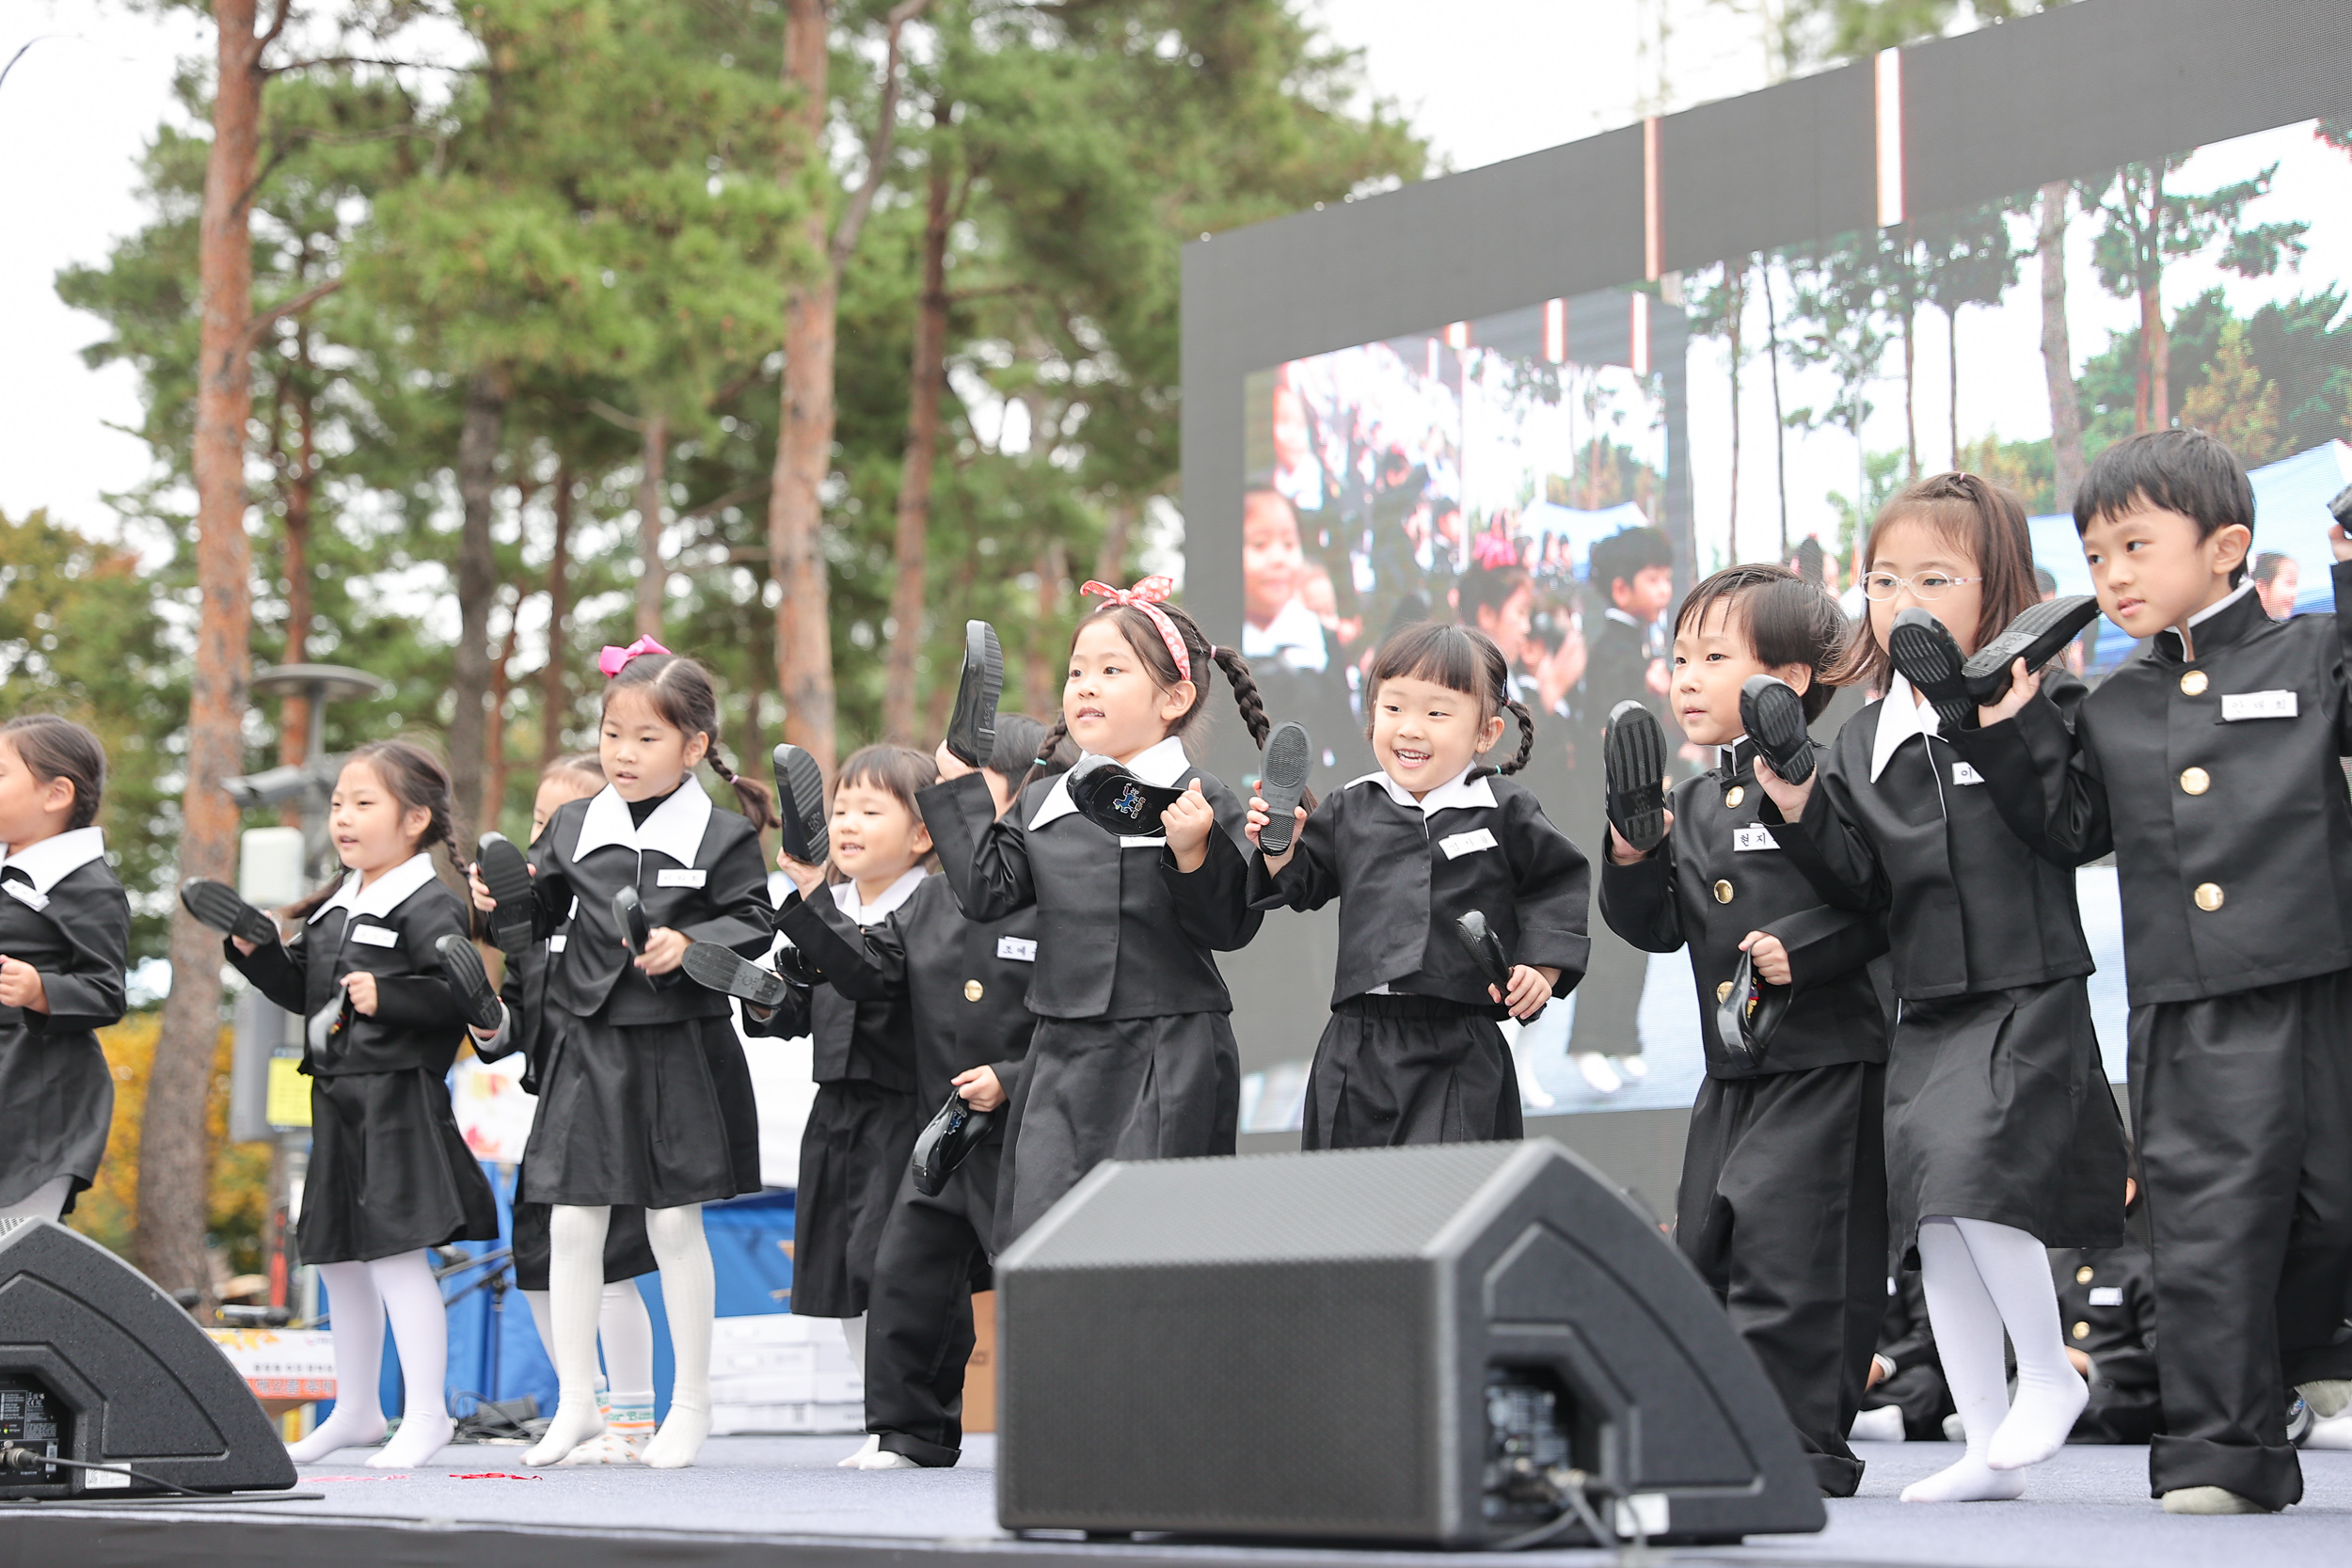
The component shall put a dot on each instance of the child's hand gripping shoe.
(1635, 760)
(216, 905)
(801, 805)
(1115, 801)
(941, 1146)
(971, 725)
(1288, 755)
(715, 966)
(1486, 948)
(507, 875)
(470, 982)
(2037, 636)
(1922, 649)
(1773, 715)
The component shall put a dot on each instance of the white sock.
(412, 1299)
(867, 1450)
(853, 1337)
(575, 1290)
(1883, 1425)
(2016, 1269)
(358, 1318)
(626, 1330)
(1968, 1340)
(44, 1202)
(689, 1299)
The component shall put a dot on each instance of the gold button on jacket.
(1723, 892)
(1733, 795)
(972, 990)
(2082, 1275)
(2082, 1331)
(2208, 897)
(2195, 781)
(2193, 683)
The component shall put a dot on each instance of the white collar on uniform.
(676, 828)
(1294, 636)
(1161, 765)
(2219, 605)
(383, 896)
(1457, 793)
(53, 859)
(845, 897)
(1900, 719)
(1623, 617)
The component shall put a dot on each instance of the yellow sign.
(289, 1093)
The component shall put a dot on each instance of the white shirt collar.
(54, 858)
(1161, 765)
(1900, 719)
(2219, 605)
(1456, 794)
(383, 896)
(1294, 636)
(1728, 757)
(676, 828)
(1614, 613)
(845, 897)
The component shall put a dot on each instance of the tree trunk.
(175, 1176)
(805, 440)
(1111, 561)
(294, 712)
(502, 690)
(1951, 369)
(1780, 424)
(1042, 689)
(477, 589)
(652, 574)
(2155, 348)
(1911, 392)
(1735, 300)
(928, 375)
(2057, 353)
(554, 690)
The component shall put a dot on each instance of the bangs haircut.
(1460, 659)
(1971, 513)
(2185, 471)
(1787, 619)
(901, 772)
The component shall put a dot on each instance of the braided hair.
(1460, 659)
(684, 698)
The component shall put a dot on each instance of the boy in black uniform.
(1907, 1400)
(1783, 1202)
(2107, 1303)
(2210, 767)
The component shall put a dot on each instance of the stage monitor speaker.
(97, 1365)
(1429, 1345)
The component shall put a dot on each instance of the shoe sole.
(463, 967)
(2037, 637)
(217, 906)
(1485, 947)
(1117, 801)
(972, 728)
(714, 967)
(1924, 651)
(800, 802)
(1288, 755)
(1635, 761)
(507, 875)
(1773, 716)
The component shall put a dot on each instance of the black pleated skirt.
(57, 1099)
(1124, 1089)
(1997, 1108)
(656, 1115)
(626, 1252)
(389, 1172)
(1410, 1069)
(854, 1151)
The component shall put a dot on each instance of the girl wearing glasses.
(2002, 1136)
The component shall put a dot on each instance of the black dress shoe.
(1288, 755)
(717, 967)
(1634, 759)
(941, 1146)
(629, 913)
(216, 905)
(801, 803)
(1486, 948)
(470, 982)
(1922, 649)
(1773, 715)
(1115, 801)
(1750, 1012)
(507, 875)
(971, 725)
(2037, 636)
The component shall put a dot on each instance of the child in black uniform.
(1783, 1204)
(390, 1175)
(1132, 1057)
(2002, 1138)
(2211, 769)
(1411, 1054)
(65, 931)
(642, 1075)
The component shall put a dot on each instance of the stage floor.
(780, 1500)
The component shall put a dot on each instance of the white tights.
(1982, 1279)
(624, 1329)
(576, 1290)
(361, 1295)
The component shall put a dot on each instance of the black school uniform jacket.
(697, 869)
(1114, 939)
(1405, 870)
(1721, 873)
(2217, 783)
(1969, 906)
(962, 981)
(1906, 1335)
(857, 1035)
(390, 929)
(64, 913)
(2107, 1310)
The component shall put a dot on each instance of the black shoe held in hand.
(216, 905)
(1115, 801)
(1773, 715)
(941, 1146)
(1634, 759)
(2037, 636)
(1486, 948)
(717, 967)
(801, 805)
(507, 876)
(1922, 649)
(1288, 755)
(971, 725)
(1751, 1011)
(470, 982)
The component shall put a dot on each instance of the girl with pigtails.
(1413, 1054)
(1132, 1057)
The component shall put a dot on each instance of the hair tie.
(1146, 596)
(613, 660)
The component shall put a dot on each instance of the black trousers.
(1923, 1397)
(2243, 1105)
(918, 1324)
(1783, 1209)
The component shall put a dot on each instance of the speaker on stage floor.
(99, 1366)
(1431, 1345)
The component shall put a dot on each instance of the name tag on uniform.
(680, 877)
(1457, 845)
(1019, 949)
(2257, 704)
(555, 943)
(1754, 838)
(2106, 1295)
(1963, 774)
(375, 935)
(25, 894)
(1136, 840)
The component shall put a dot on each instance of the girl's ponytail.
(1527, 735)
(755, 800)
(1246, 695)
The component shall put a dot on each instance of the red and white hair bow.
(1146, 596)
(613, 660)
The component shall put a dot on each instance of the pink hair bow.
(613, 660)
(1495, 552)
(1146, 596)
